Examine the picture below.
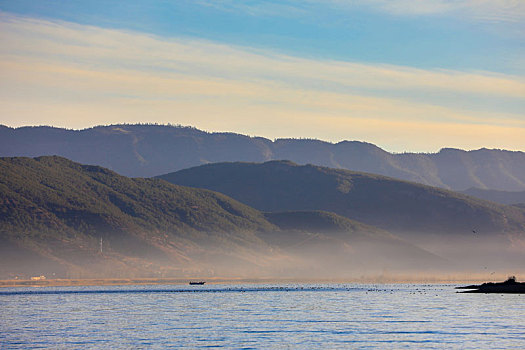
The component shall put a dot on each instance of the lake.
(260, 316)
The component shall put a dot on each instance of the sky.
(406, 75)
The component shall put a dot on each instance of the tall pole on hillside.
(101, 245)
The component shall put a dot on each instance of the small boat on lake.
(196, 283)
(509, 286)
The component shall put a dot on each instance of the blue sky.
(444, 39)
(388, 72)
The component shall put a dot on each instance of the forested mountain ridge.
(54, 208)
(150, 150)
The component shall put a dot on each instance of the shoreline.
(74, 282)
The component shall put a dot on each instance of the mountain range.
(475, 233)
(62, 218)
(150, 150)
(399, 206)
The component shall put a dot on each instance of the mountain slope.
(149, 150)
(58, 208)
(395, 205)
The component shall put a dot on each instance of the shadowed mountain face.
(149, 150)
(68, 219)
(399, 206)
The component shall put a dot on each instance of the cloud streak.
(478, 10)
(76, 76)
(484, 10)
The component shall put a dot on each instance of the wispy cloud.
(487, 10)
(481, 10)
(73, 75)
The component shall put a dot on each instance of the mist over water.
(358, 257)
(297, 256)
(260, 316)
(487, 254)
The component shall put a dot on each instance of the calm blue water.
(260, 316)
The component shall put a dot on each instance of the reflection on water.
(260, 316)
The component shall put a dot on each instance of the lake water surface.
(304, 316)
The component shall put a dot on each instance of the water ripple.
(259, 316)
